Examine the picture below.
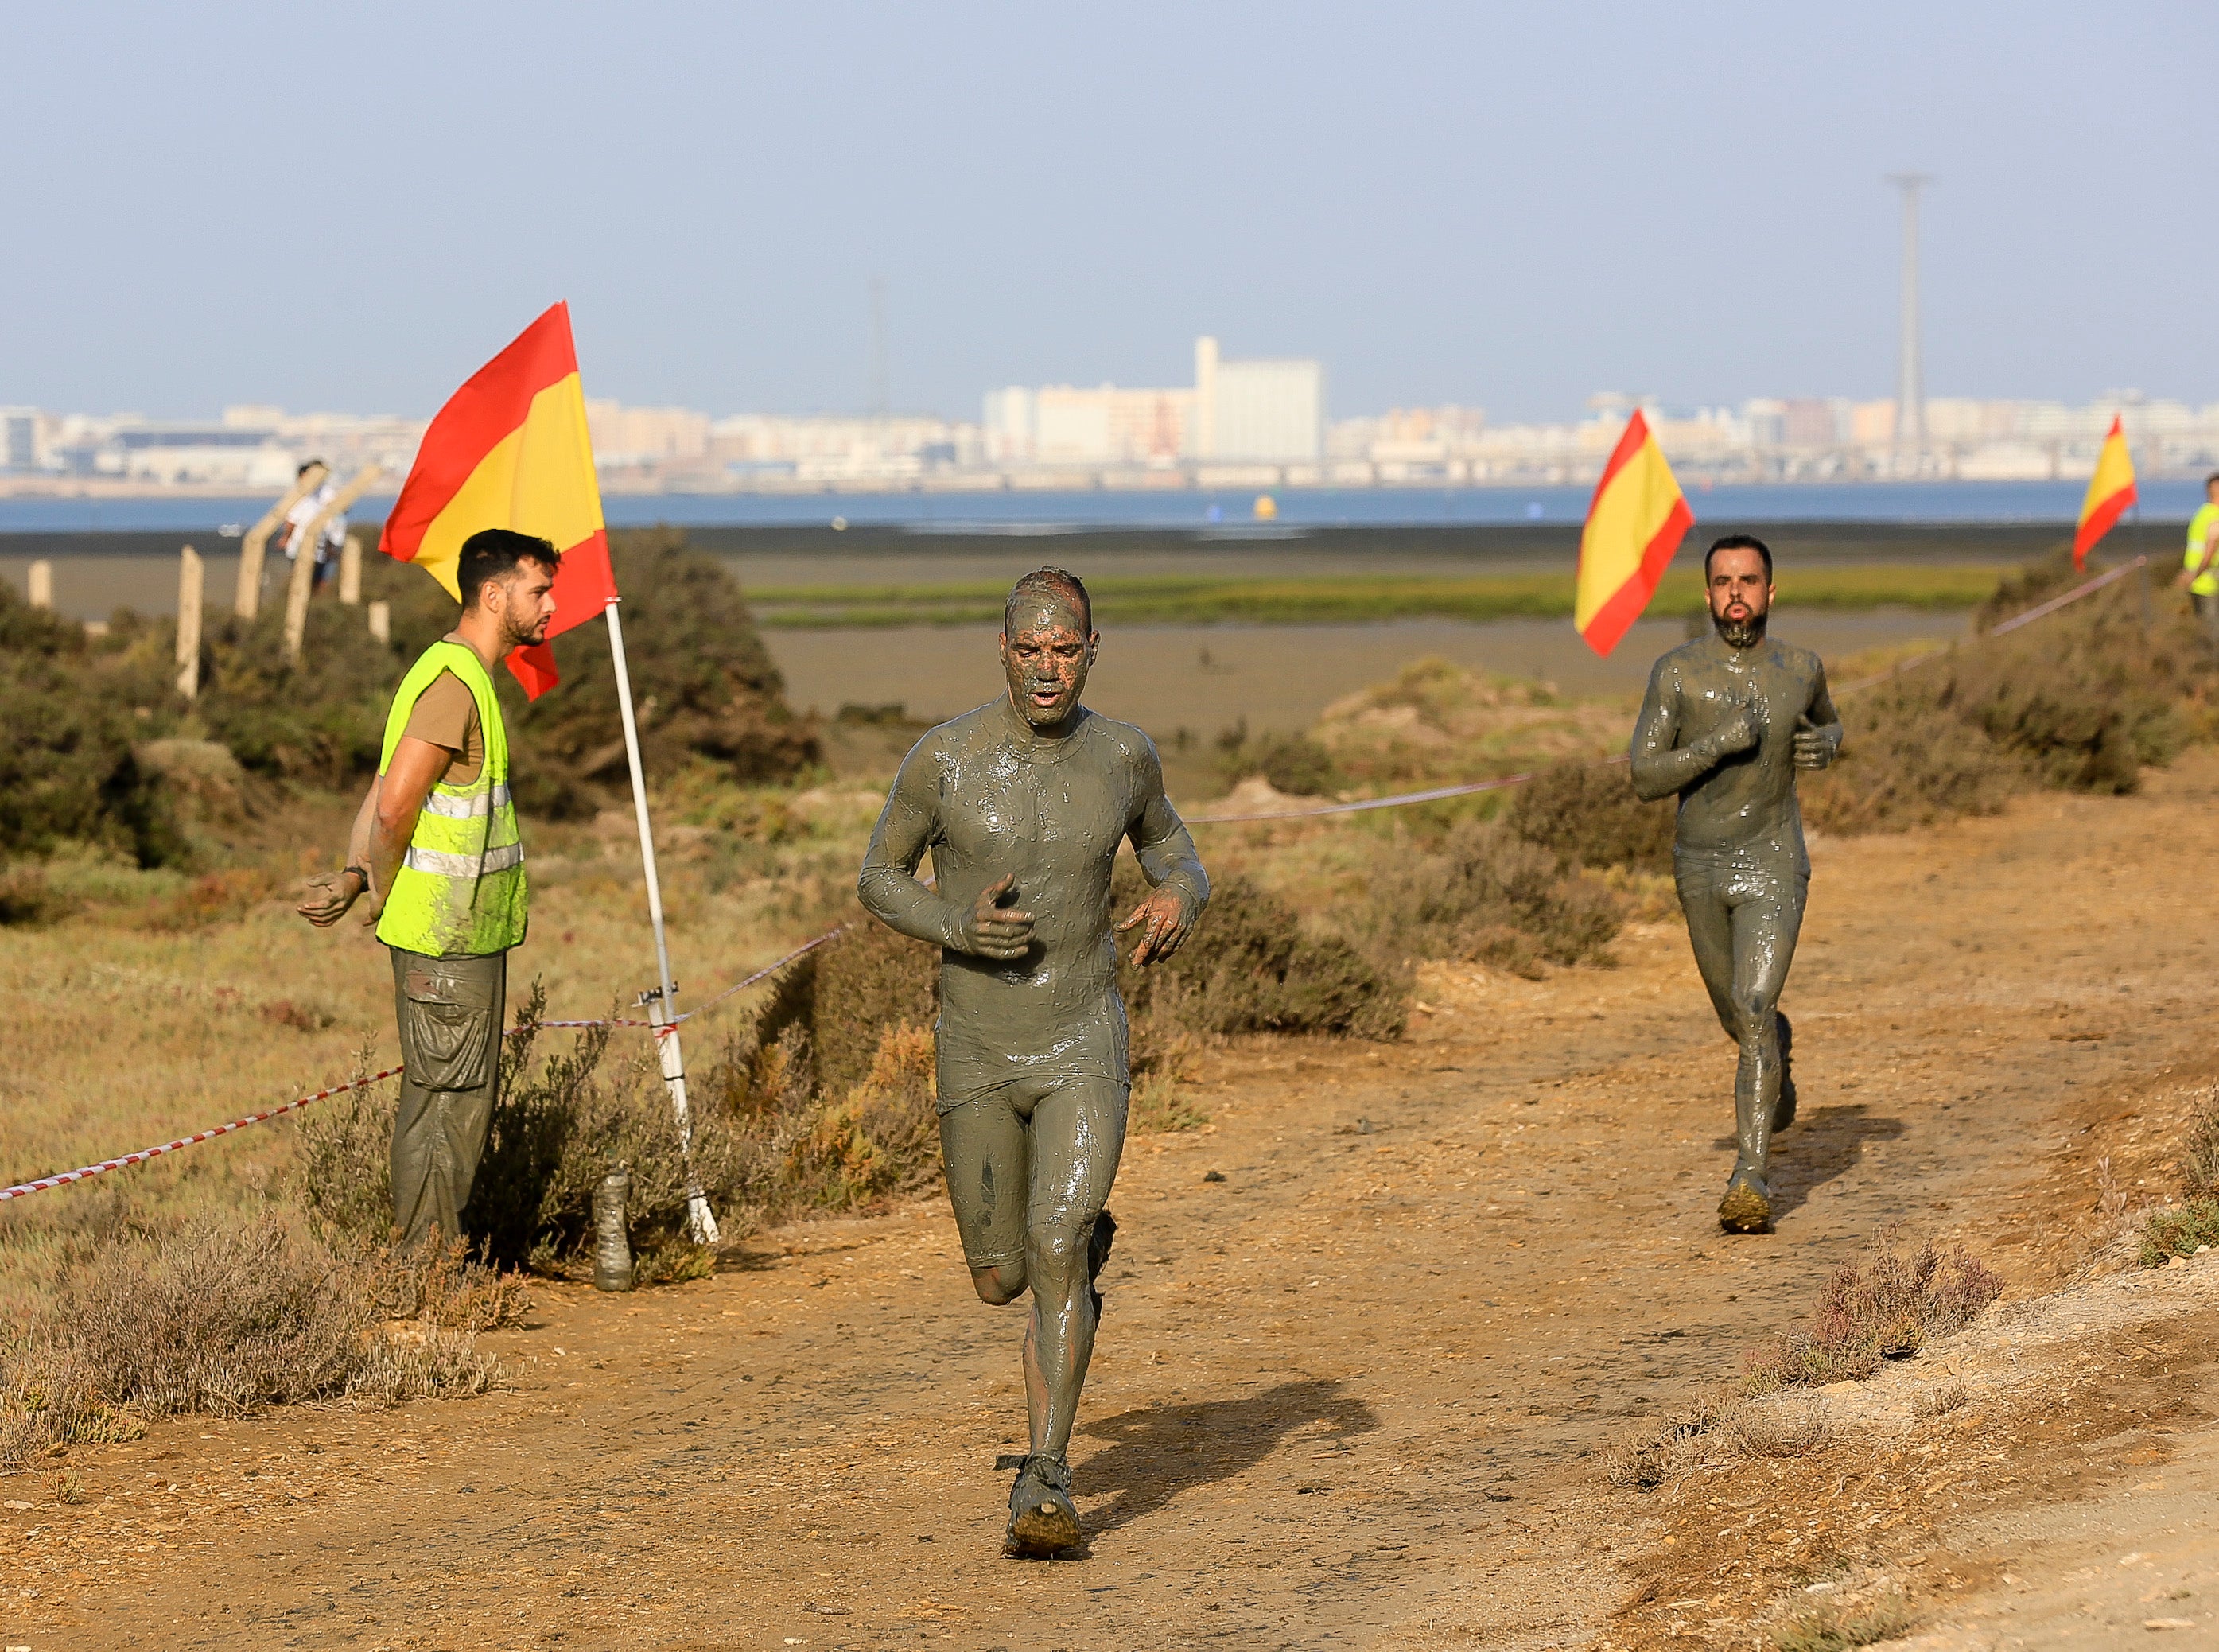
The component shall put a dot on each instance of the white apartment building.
(1261, 411)
(1069, 425)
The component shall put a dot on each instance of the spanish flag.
(1635, 523)
(2110, 490)
(510, 451)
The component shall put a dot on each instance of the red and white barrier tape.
(145, 1153)
(1472, 788)
(22, 1188)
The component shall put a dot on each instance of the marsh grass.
(1201, 599)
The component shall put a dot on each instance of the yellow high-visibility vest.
(2199, 530)
(461, 889)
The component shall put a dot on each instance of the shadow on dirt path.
(1154, 1456)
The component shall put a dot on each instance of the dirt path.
(1355, 1393)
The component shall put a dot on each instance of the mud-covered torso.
(1049, 813)
(1743, 808)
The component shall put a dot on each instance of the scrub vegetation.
(226, 1318)
(1886, 1304)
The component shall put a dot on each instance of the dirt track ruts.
(1355, 1393)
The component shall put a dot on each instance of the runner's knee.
(1058, 1250)
(1001, 1283)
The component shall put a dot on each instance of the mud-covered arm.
(889, 886)
(1165, 849)
(1819, 734)
(1662, 766)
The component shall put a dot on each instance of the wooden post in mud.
(41, 581)
(191, 577)
(381, 621)
(350, 570)
(247, 600)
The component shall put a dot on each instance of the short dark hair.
(307, 466)
(493, 553)
(1739, 542)
(2213, 477)
(1065, 587)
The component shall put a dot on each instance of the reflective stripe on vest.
(463, 866)
(461, 887)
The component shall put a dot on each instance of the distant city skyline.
(1446, 203)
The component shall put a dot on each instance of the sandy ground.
(1206, 677)
(1357, 1393)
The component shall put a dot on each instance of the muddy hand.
(996, 931)
(1737, 732)
(329, 896)
(1815, 748)
(1167, 919)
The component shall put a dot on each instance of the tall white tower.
(1910, 389)
(1204, 440)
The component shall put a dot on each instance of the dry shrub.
(28, 898)
(1699, 1434)
(2179, 1230)
(562, 1120)
(1589, 816)
(877, 1141)
(1885, 1304)
(227, 1319)
(1713, 1432)
(1486, 896)
(1828, 1628)
(1251, 966)
(869, 979)
(2199, 1159)
(213, 897)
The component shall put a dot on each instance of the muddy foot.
(1747, 1208)
(1042, 1519)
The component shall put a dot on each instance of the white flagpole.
(663, 1003)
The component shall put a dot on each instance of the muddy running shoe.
(1097, 1256)
(1747, 1208)
(1042, 1520)
(1783, 1110)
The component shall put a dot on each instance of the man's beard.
(1740, 633)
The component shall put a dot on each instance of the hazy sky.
(1510, 206)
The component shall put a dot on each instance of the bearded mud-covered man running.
(1727, 722)
(1023, 803)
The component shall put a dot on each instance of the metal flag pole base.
(660, 1001)
(700, 1221)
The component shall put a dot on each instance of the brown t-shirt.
(446, 714)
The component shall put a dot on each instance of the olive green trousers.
(451, 1011)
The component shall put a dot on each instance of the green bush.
(1587, 814)
(1293, 763)
(67, 770)
(1487, 896)
(1252, 966)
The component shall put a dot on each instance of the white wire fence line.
(1434, 794)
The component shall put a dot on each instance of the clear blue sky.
(1511, 206)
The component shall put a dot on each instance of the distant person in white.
(334, 539)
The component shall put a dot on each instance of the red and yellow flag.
(510, 451)
(2110, 490)
(1635, 523)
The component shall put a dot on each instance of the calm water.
(1230, 510)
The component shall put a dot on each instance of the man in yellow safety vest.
(436, 848)
(2197, 569)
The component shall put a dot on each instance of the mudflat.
(1359, 1391)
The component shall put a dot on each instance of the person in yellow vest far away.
(2197, 569)
(436, 848)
